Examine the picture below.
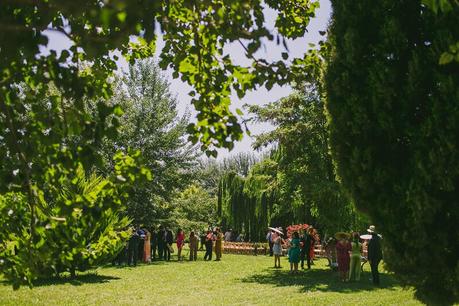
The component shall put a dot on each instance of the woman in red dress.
(180, 243)
(343, 247)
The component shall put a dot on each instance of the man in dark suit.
(121, 256)
(209, 244)
(161, 242)
(307, 241)
(133, 248)
(141, 234)
(169, 239)
(374, 253)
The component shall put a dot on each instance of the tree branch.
(249, 55)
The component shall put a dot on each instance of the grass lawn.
(236, 280)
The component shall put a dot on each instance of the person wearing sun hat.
(374, 253)
(343, 247)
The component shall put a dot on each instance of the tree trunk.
(72, 272)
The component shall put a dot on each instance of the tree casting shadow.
(319, 280)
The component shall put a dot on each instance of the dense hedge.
(394, 116)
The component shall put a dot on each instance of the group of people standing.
(146, 246)
(300, 248)
(162, 242)
(143, 244)
(214, 238)
(149, 245)
(349, 252)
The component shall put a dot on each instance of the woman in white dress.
(277, 249)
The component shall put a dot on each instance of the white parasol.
(365, 237)
(275, 230)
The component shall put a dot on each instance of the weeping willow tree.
(231, 208)
(246, 203)
(268, 196)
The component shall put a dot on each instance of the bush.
(78, 229)
(17, 262)
(394, 133)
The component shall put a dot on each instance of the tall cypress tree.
(394, 117)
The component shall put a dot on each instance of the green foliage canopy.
(47, 129)
(193, 209)
(195, 35)
(151, 125)
(297, 183)
(308, 188)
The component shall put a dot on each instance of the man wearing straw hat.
(374, 253)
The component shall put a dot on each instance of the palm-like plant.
(93, 230)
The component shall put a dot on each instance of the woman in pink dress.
(343, 247)
(180, 243)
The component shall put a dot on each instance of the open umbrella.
(275, 230)
(365, 237)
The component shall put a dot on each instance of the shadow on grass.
(153, 262)
(156, 262)
(81, 279)
(319, 280)
(139, 264)
(90, 278)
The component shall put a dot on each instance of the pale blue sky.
(269, 51)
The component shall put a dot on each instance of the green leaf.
(121, 16)
(446, 58)
(118, 111)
